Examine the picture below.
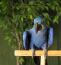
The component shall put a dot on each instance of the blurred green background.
(6, 52)
(56, 45)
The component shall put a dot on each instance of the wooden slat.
(37, 53)
(42, 61)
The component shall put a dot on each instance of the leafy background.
(16, 16)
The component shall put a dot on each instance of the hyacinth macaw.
(39, 37)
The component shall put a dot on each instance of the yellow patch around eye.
(42, 26)
(37, 22)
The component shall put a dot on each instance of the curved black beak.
(38, 27)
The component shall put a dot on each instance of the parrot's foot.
(33, 52)
(45, 53)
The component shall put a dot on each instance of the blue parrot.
(39, 37)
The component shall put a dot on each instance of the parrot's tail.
(37, 60)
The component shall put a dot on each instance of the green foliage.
(16, 16)
(21, 61)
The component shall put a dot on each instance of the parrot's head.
(38, 24)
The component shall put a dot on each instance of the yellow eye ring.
(42, 26)
(36, 22)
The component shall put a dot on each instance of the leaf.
(1, 3)
(21, 61)
(46, 7)
(55, 20)
(22, 19)
(56, 8)
(4, 9)
(52, 7)
(6, 38)
(9, 40)
(31, 3)
(48, 23)
(28, 9)
(41, 2)
(17, 8)
(30, 16)
(45, 15)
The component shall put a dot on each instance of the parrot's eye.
(36, 22)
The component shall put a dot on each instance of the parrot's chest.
(38, 38)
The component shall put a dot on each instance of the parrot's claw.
(33, 52)
(45, 52)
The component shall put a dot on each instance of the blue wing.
(50, 40)
(24, 39)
